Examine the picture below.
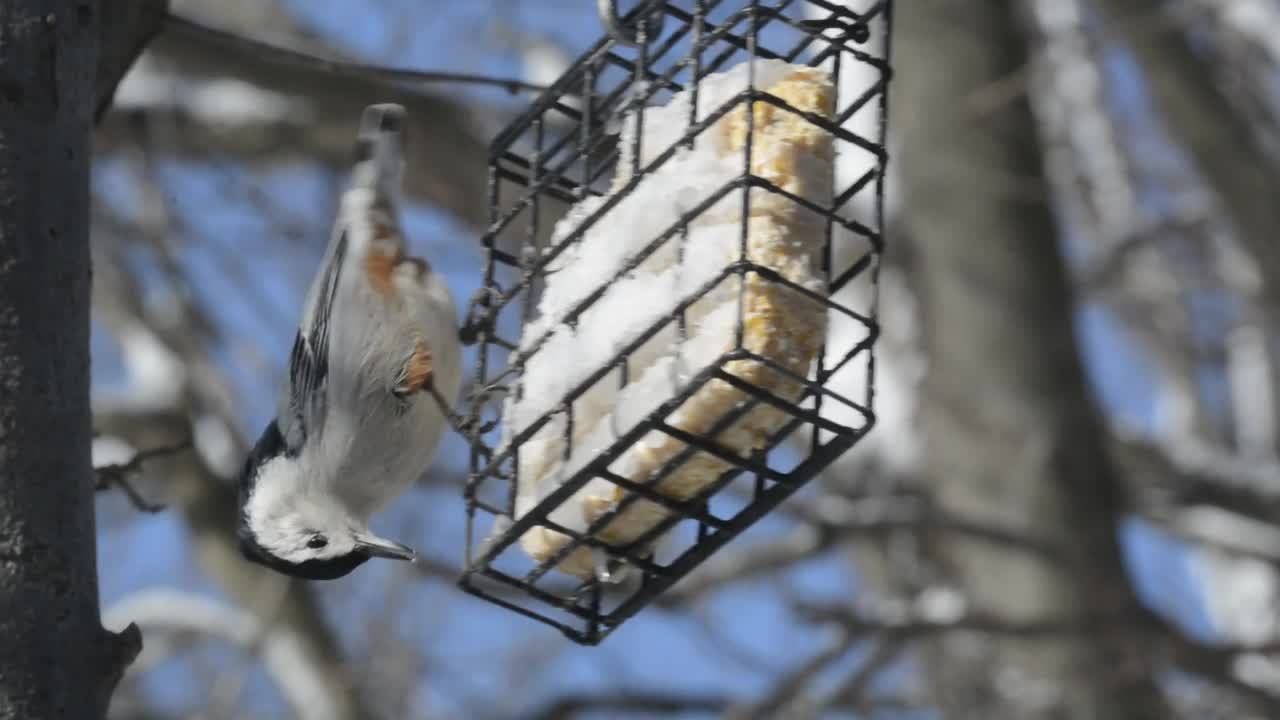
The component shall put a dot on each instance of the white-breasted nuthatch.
(375, 369)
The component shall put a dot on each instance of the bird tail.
(379, 151)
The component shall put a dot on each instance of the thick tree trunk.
(56, 661)
(1012, 438)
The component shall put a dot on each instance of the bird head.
(289, 523)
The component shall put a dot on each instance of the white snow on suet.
(574, 349)
(632, 304)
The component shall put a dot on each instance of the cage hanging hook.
(649, 27)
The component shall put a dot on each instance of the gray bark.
(1012, 438)
(57, 660)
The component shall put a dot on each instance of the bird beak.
(378, 547)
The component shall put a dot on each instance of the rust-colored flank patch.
(417, 372)
(378, 267)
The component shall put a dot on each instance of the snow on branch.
(121, 474)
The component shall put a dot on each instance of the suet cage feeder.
(565, 149)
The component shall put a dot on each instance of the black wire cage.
(549, 489)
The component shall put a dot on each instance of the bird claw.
(417, 374)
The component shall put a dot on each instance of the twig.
(1216, 663)
(831, 520)
(286, 56)
(852, 693)
(617, 704)
(857, 623)
(1189, 472)
(1221, 534)
(792, 685)
(117, 475)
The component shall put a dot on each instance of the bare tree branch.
(832, 520)
(445, 162)
(119, 474)
(791, 686)
(1190, 473)
(862, 623)
(232, 42)
(1217, 664)
(627, 703)
(1243, 56)
(852, 692)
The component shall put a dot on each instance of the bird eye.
(317, 541)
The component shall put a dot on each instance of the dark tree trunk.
(1012, 438)
(56, 661)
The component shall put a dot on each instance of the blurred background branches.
(1070, 507)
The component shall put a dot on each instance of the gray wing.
(303, 398)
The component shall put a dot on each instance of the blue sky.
(470, 643)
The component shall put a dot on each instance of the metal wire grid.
(564, 149)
